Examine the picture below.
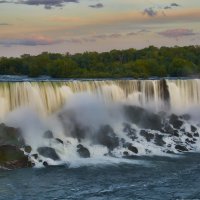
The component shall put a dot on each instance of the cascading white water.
(97, 115)
(48, 97)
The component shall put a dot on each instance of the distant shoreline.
(13, 78)
(116, 64)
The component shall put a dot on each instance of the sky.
(35, 26)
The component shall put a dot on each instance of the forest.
(131, 63)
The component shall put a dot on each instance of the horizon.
(77, 26)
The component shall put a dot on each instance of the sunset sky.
(34, 26)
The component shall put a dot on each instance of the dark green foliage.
(148, 62)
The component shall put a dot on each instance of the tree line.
(148, 62)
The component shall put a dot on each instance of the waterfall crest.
(48, 97)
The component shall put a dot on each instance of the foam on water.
(75, 113)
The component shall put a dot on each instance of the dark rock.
(147, 135)
(159, 140)
(189, 135)
(48, 134)
(82, 151)
(27, 149)
(12, 157)
(196, 134)
(45, 164)
(79, 146)
(107, 137)
(132, 148)
(180, 148)
(174, 120)
(168, 129)
(35, 156)
(10, 136)
(169, 151)
(143, 118)
(59, 140)
(189, 141)
(77, 130)
(193, 128)
(48, 152)
(175, 133)
(164, 93)
(126, 153)
(131, 133)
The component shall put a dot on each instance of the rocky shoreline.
(169, 133)
(12, 155)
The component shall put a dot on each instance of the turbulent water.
(154, 179)
(104, 139)
(103, 121)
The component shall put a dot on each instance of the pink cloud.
(175, 33)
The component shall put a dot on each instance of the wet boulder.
(83, 151)
(132, 148)
(107, 137)
(77, 129)
(175, 121)
(45, 163)
(175, 133)
(143, 118)
(148, 136)
(126, 153)
(35, 156)
(168, 129)
(27, 149)
(189, 141)
(180, 148)
(12, 157)
(59, 141)
(48, 152)
(196, 134)
(189, 135)
(193, 128)
(10, 136)
(159, 140)
(131, 133)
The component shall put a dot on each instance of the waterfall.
(65, 121)
(48, 97)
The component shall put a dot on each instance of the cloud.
(131, 34)
(48, 4)
(115, 35)
(175, 5)
(150, 12)
(102, 36)
(98, 5)
(175, 33)
(35, 41)
(167, 7)
(4, 24)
